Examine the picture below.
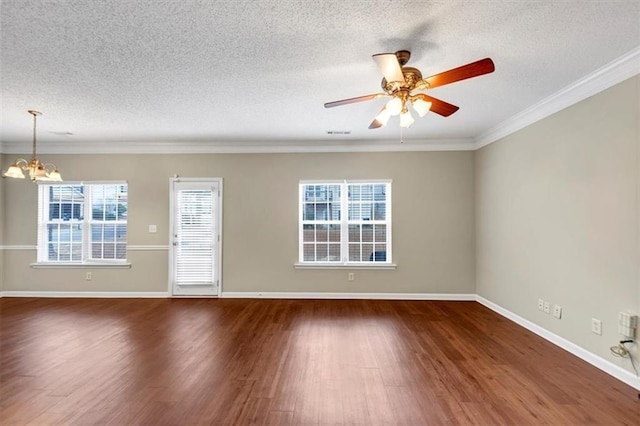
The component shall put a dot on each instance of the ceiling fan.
(405, 84)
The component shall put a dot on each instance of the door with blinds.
(196, 234)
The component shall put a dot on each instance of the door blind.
(194, 237)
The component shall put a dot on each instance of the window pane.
(76, 252)
(308, 233)
(354, 233)
(354, 193)
(109, 233)
(334, 252)
(96, 251)
(309, 212)
(367, 233)
(109, 251)
(64, 233)
(366, 192)
(379, 193)
(334, 233)
(64, 253)
(309, 252)
(97, 211)
(367, 252)
(322, 252)
(379, 211)
(121, 233)
(76, 233)
(380, 253)
(380, 233)
(121, 251)
(96, 233)
(354, 252)
(322, 233)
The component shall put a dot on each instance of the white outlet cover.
(557, 311)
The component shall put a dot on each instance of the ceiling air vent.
(338, 132)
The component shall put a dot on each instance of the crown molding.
(238, 147)
(616, 71)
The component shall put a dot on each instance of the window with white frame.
(347, 222)
(82, 222)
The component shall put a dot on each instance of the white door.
(196, 237)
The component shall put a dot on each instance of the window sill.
(61, 265)
(344, 266)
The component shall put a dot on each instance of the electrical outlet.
(557, 311)
(540, 305)
(596, 326)
(547, 308)
(351, 276)
(88, 277)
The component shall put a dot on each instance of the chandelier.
(38, 171)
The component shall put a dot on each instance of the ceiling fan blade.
(375, 124)
(353, 100)
(390, 67)
(438, 106)
(474, 69)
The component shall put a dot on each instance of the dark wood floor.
(292, 362)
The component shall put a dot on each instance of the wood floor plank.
(290, 362)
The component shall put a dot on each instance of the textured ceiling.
(161, 71)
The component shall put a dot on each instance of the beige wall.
(433, 221)
(557, 217)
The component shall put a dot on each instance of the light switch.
(153, 229)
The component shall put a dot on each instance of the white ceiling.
(251, 71)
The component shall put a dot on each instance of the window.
(345, 222)
(82, 222)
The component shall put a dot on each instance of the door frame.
(218, 181)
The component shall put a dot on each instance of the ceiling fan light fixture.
(421, 106)
(383, 116)
(406, 119)
(394, 106)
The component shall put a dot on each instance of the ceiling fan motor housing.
(411, 77)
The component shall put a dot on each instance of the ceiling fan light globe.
(406, 119)
(394, 106)
(383, 117)
(421, 107)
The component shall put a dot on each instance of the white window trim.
(75, 265)
(353, 265)
(344, 221)
(89, 263)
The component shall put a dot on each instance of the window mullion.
(86, 224)
(344, 222)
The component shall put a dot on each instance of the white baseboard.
(593, 359)
(88, 294)
(327, 295)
